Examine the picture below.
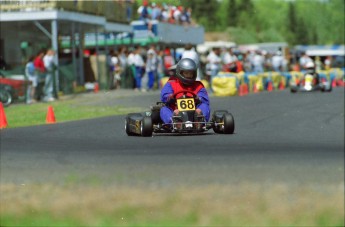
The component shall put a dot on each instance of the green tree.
(291, 22)
(205, 12)
(231, 13)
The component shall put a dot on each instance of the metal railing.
(115, 10)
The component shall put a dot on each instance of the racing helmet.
(310, 67)
(186, 64)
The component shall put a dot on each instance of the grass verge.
(20, 115)
(213, 205)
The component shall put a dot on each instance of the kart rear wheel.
(129, 133)
(229, 123)
(146, 127)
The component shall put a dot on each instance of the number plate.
(309, 79)
(186, 104)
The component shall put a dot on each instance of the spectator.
(247, 63)
(145, 16)
(168, 60)
(156, 13)
(40, 72)
(277, 61)
(165, 14)
(130, 64)
(214, 62)
(258, 62)
(49, 64)
(32, 77)
(184, 17)
(129, 9)
(123, 65)
(151, 67)
(160, 66)
(229, 61)
(328, 62)
(116, 71)
(239, 64)
(304, 59)
(177, 14)
(139, 68)
(318, 64)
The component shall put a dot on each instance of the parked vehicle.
(6, 94)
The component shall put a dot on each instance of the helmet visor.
(188, 74)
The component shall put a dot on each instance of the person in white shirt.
(49, 64)
(214, 60)
(139, 67)
(304, 60)
(151, 67)
(258, 62)
(229, 61)
(277, 62)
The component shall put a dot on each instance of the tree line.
(297, 22)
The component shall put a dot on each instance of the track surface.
(279, 138)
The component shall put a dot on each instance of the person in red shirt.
(40, 71)
(38, 62)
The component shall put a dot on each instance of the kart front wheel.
(223, 122)
(146, 127)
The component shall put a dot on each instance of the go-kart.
(147, 123)
(309, 83)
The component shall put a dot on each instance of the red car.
(12, 88)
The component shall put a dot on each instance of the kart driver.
(310, 69)
(184, 80)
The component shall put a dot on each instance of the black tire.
(5, 97)
(293, 90)
(229, 123)
(146, 127)
(218, 117)
(129, 133)
(217, 130)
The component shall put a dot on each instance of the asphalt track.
(279, 138)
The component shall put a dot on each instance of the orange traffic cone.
(243, 90)
(50, 119)
(281, 85)
(270, 86)
(334, 83)
(255, 88)
(341, 83)
(3, 121)
(96, 87)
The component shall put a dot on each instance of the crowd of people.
(142, 68)
(40, 71)
(165, 13)
(138, 68)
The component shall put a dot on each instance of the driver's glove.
(170, 99)
(197, 100)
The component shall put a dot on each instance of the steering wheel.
(194, 95)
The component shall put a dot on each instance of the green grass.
(20, 115)
(213, 205)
